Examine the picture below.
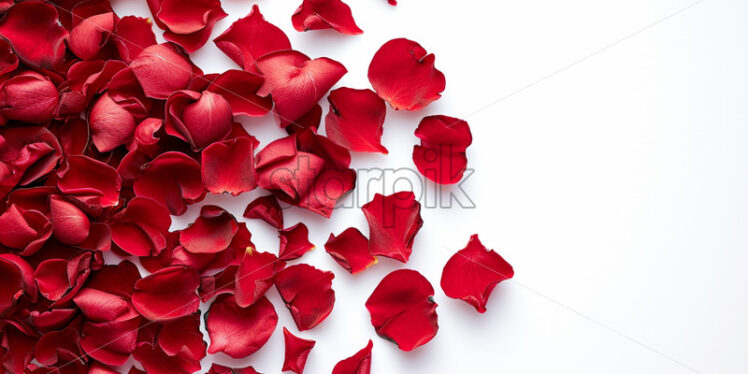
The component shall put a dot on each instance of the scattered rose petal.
(441, 155)
(297, 350)
(267, 209)
(24, 230)
(250, 38)
(236, 331)
(350, 249)
(219, 369)
(294, 242)
(256, 274)
(28, 97)
(325, 14)
(161, 70)
(89, 181)
(70, 225)
(132, 35)
(229, 166)
(308, 294)
(141, 227)
(31, 28)
(240, 88)
(355, 119)
(394, 221)
(211, 232)
(198, 118)
(167, 294)
(182, 337)
(172, 179)
(187, 24)
(402, 309)
(359, 363)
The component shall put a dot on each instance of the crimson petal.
(240, 88)
(172, 179)
(441, 155)
(33, 30)
(256, 274)
(212, 231)
(198, 118)
(238, 331)
(325, 14)
(350, 249)
(394, 221)
(141, 228)
(308, 294)
(161, 70)
(250, 38)
(355, 119)
(294, 242)
(359, 363)
(167, 294)
(132, 35)
(267, 209)
(297, 350)
(182, 337)
(229, 166)
(28, 97)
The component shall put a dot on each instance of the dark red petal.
(229, 166)
(132, 35)
(24, 230)
(167, 294)
(141, 228)
(236, 331)
(394, 221)
(182, 337)
(17, 346)
(58, 347)
(98, 305)
(111, 124)
(392, 2)
(267, 209)
(308, 294)
(70, 224)
(8, 59)
(325, 14)
(31, 151)
(250, 38)
(161, 70)
(198, 118)
(189, 24)
(297, 350)
(155, 361)
(218, 369)
(211, 232)
(473, 272)
(402, 309)
(256, 274)
(52, 278)
(294, 242)
(441, 155)
(37, 38)
(89, 37)
(310, 120)
(240, 88)
(404, 75)
(91, 182)
(173, 179)
(355, 119)
(17, 278)
(359, 363)
(350, 249)
(296, 82)
(110, 342)
(28, 97)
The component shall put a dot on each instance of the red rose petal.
(441, 155)
(17, 278)
(33, 31)
(402, 309)
(51, 278)
(297, 350)
(70, 224)
(111, 124)
(167, 294)
(219, 369)
(182, 337)
(88, 38)
(394, 221)
(187, 24)
(294, 242)
(359, 363)
(473, 272)
(8, 59)
(132, 35)
(404, 75)
(91, 182)
(58, 347)
(239, 332)
(24, 230)
(355, 119)
(308, 294)
(161, 70)
(250, 38)
(173, 179)
(325, 14)
(240, 88)
(296, 82)
(28, 97)
(141, 227)
(198, 118)
(350, 249)
(31, 151)
(155, 361)
(229, 166)
(267, 209)
(212, 231)
(256, 274)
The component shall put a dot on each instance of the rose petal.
(141, 227)
(161, 70)
(31, 151)
(111, 342)
(267, 209)
(187, 24)
(218, 369)
(111, 124)
(404, 75)
(198, 118)
(325, 14)
(296, 82)
(394, 221)
(240, 88)
(307, 292)
(132, 35)
(229, 166)
(88, 38)
(8, 59)
(70, 224)
(172, 179)
(441, 155)
(359, 363)
(155, 361)
(473, 272)
(17, 278)
(182, 337)
(91, 182)
(294, 242)
(58, 347)
(250, 38)
(212, 231)
(255, 276)
(167, 294)
(297, 350)
(239, 332)
(28, 97)
(37, 38)
(355, 119)
(402, 309)
(24, 230)
(350, 249)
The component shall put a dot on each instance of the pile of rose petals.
(105, 134)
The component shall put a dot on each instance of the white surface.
(617, 187)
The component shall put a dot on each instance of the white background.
(610, 169)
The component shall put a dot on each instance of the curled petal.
(111, 342)
(256, 274)
(240, 88)
(70, 224)
(267, 209)
(238, 331)
(308, 294)
(91, 182)
(355, 119)
(211, 232)
(33, 30)
(141, 228)
(296, 82)
(229, 166)
(61, 347)
(17, 279)
(155, 361)
(173, 179)
(111, 124)
(167, 294)
(294, 242)
(404, 75)
(402, 309)
(132, 35)
(28, 97)
(182, 337)
(359, 363)
(325, 14)
(250, 38)
(89, 37)
(198, 118)
(8, 59)
(161, 70)
(51, 278)
(24, 230)
(473, 272)
(187, 24)
(394, 221)
(31, 151)
(297, 350)
(441, 155)
(350, 249)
